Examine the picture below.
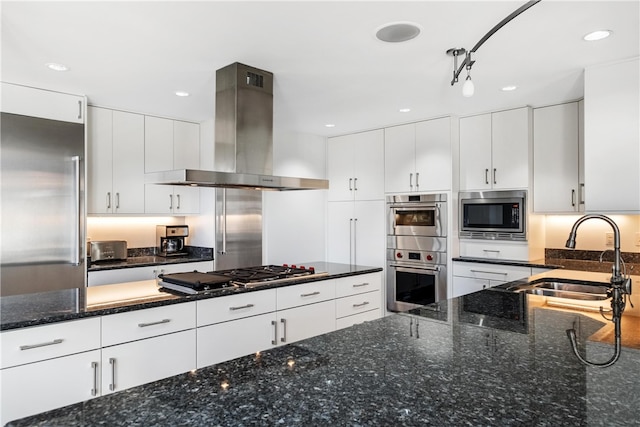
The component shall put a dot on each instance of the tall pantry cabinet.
(356, 219)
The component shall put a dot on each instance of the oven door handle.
(429, 268)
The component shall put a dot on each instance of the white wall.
(294, 222)
(591, 234)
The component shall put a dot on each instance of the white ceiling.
(328, 66)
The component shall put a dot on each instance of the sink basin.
(564, 288)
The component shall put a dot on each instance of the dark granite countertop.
(144, 257)
(57, 306)
(443, 365)
(534, 263)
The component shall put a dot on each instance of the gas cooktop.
(247, 277)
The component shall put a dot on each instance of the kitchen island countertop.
(443, 364)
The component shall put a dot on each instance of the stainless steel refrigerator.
(43, 244)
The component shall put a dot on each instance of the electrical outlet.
(608, 239)
(638, 238)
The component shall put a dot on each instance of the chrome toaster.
(108, 250)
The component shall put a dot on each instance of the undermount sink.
(564, 288)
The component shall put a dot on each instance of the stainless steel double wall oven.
(416, 250)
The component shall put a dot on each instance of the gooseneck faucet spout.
(618, 291)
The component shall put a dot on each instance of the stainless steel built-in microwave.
(494, 215)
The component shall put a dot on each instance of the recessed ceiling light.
(597, 35)
(330, 125)
(57, 67)
(509, 88)
(404, 110)
(396, 32)
(182, 93)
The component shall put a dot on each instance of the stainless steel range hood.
(244, 138)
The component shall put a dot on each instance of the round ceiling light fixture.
(597, 35)
(397, 32)
(182, 93)
(57, 67)
(509, 88)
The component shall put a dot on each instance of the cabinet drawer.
(358, 303)
(140, 324)
(223, 309)
(307, 293)
(345, 322)
(358, 284)
(46, 342)
(497, 250)
(493, 272)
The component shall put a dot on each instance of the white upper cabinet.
(46, 104)
(494, 150)
(557, 150)
(612, 137)
(115, 162)
(171, 144)
(356, 166)
(418, 156)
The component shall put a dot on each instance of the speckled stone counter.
(534, 263)
(144, 257)
(441, 365)
(57, 306)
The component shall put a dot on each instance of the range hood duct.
(244, 138)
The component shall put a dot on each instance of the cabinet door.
(128, 163)
(340, 168)
(159, 199)
(555, 159)
(475, 152)
(299, 323)
(158, 144)
(186, 145)
(225, 341)
(433, 155)
(140, 362)
(467, 285)
(369, 165)
(43, 386)
(100, 197)
(612, 137)
(510, 135)
(340, 238)
(186, 200)
(29, 101)
(369, 231)
(399, 158)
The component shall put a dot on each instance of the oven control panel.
(417, 256)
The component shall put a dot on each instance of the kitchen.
(298, 225)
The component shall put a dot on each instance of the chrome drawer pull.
(44, 344)
(159, 322)
(94, 390)
(310, 294)
(273, 323)
(361, 304)
(361, 284)
(284, 330)
(241, 307)
(112, 362)
(488, 272)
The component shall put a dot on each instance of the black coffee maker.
(171, 240)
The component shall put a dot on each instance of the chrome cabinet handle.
(417, 330)
(488, 272)
(486, 176)
(241, 307)
(310, 294)
(108, 200)
(355, 237)
(350, 181)
(273, 323)
(79, 109)
(355, 184)
(417, 180)
(178, 196)
(350, 240)
(491, 250)
(159, 322)
(494, 176)
(117, 200)
(112, 362)
(170, 201)
(573, 197)
(581, 196)
(357, 285)
(284, 330)
(361, 304)
(44, 344)
(410, 327)
(411, 181)
(94, 390)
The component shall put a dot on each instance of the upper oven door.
(417, 215)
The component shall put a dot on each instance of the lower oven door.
(412, 286)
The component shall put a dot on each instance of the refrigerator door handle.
(76, 257)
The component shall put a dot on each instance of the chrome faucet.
(618, 291)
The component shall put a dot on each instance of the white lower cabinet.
(140, 362)
(296, 324)
(359, 299)
(470, 277)
(50, 384)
